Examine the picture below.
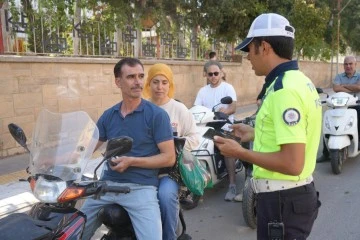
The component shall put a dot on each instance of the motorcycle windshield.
(62, 143)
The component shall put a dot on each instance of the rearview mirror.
(226, 100)
(118, 146)
(115, 148)
(18, 134)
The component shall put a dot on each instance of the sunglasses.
(210, 74)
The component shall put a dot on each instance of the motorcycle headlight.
(327, 123)
(349, 124)
(48, 191)
(339, 101)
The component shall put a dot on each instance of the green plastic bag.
(193, 173)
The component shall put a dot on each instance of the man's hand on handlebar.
(227, 111)
(243, 131)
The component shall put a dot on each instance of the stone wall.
(28, 84)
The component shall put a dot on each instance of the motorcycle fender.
(338, 142)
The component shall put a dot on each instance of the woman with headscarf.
(159, 88)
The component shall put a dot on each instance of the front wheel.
(337, 158)
(249, 204)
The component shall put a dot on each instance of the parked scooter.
(207, 153)
(60, 149)
(340, 129)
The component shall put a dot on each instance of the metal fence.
(89, 38)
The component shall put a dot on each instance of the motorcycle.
(60, 149)
(207, 153)
(340, 129)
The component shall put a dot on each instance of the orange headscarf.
(159, 69)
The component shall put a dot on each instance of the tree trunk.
(158, 46)
(194, 43)
(1, 31)
(138, 44)
(117, 39)
(77, 20)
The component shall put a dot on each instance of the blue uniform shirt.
(148, 125)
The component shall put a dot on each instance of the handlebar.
(115, 189)
(240, 121)
(248, 121)
(100, 187)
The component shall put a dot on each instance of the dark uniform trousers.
(296, 208)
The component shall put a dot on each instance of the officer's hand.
(228, 147)
(243, 131)
(122, 163)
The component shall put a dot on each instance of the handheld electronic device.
(210, 133)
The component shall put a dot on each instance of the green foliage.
(281, 7)
(310, 26)
(210, 20)
(349, 25)
(230, 19)
(310, 21)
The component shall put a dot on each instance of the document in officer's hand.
(227, 128)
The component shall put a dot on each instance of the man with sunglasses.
(209, 96)
(213, 60)
(349, 82)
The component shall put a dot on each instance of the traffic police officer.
(286, 135)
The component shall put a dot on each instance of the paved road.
(338, 216)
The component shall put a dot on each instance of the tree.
(214, 20)
(310, 25)
(230, 19)
(349, 25)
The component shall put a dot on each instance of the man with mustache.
(153, 148)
